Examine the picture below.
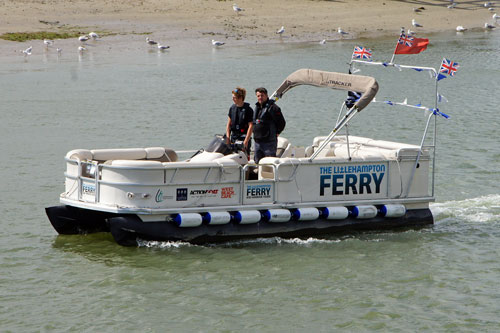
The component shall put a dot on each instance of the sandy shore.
(304, 20)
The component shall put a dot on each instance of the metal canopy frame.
(343, 120)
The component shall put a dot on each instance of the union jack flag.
(405, 40)
(448, 67)
(362, 53)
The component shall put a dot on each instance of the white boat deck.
(154, 178)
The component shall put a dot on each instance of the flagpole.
(394, 53)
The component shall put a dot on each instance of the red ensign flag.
(410, 45)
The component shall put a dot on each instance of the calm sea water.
(441, 278)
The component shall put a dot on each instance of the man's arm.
(228, 130)
(249, 134)
(278, 119)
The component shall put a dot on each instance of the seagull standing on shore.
(150, 41)
(461, 28)
(217, 43)
(489, 26)
(162, 48)
(487, 4)
(496, 17)
(342, 32)
(237, 9)
(281, 30)
(323, 42)
(416, 24)
(27, 52)
(48, 43)
(453, 5)
(93, 35)
(81, 49)
(83, 39)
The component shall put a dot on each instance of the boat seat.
(135, 163)
(119, 154)
(296, 152)
(361, 152)
(365, 148)
(205, 156)
(308, 151)
(266, 170)
(328, 151)
(240, 157)
(142, 172)
(162, 155)
(101, 155)
(318, 140)
(79, 154)
(282, 147)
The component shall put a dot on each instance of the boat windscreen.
(218, 145)
(365, 85)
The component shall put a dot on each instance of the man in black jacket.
(240, 120)
(268, 123)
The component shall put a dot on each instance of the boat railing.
(92, 172)
(283, 172)
(434, 112)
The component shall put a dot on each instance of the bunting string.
(435, 111)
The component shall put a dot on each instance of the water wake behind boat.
(484, 209)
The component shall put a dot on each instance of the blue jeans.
(265, 149)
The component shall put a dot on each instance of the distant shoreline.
(304, 20)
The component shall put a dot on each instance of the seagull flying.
(281, 30)
(416, 24)
(93, 35)
(461, 28)
(217, 43)
(150, 41)
(162, 47)
(237, 9)
(27, 52)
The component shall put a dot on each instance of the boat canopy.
(365, 85)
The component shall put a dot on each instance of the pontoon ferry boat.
(337, 183)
